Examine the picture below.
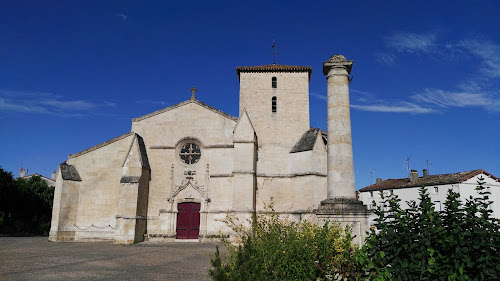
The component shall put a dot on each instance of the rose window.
(190, 153)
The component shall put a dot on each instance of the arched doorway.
(188, 220)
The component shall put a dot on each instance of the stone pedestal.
(346, 211)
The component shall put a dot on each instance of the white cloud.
(487, 52)
(152, 102)
(402, 107)
(453, 99)
(411, 42)
(447, 99)
(385, 58)
(319, 96)
(45, 103)
(6, 105)
(368, 102)
(122, 16)
(429, 101)
(68, 105)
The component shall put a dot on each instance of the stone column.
(340, 160)
(341, 204)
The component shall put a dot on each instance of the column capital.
(337, 61)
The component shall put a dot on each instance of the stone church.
(183, 169)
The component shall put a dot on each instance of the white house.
(407, 189)
(50, 182)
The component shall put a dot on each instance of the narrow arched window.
(274, 104)
(275, 82)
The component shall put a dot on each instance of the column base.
(346, 211)
(342, 205)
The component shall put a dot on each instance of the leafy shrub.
(460, 243)
(278, 249)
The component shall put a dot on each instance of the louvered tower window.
(274, 104)
(275, 82)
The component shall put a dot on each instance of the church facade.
(182, 170)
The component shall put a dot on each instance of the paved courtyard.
(33, 258)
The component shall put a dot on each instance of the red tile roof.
(274, 68)
(426, 181)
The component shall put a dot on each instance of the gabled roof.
(307, 141)
(35, 175)
(184, 103)
(274, 68)
(426, 181)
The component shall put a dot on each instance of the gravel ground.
(33, 258)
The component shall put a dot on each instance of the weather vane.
(193, 91)
(274, 52)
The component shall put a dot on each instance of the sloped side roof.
(274, 68)
(184, 103)
(307, 141)
(426, 181)
(69, 172)
(100, 145)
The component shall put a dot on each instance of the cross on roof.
(193, 91)
(274, 52)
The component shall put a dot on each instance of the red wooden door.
(188, 220)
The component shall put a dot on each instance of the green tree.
(25, 205)
(7, 192)
(460, 243)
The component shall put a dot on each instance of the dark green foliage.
(460, 243)
(277, 249)
(25, 205)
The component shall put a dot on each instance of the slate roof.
(184, 103)
(307, 141)
(426, 181)
(69, 172)
(128, 179)
(274, 68)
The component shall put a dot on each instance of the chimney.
(413, 175)
(379, 180)
(426, 173)
(22, 173)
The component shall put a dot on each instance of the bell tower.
(276, 98)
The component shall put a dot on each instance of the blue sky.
(426, 75)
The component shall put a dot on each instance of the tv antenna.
(407, 164)
(428, 163)
(274, 52)
(372, 172)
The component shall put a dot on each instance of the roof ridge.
(220, 112)
(274, 68)
(427, 180)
